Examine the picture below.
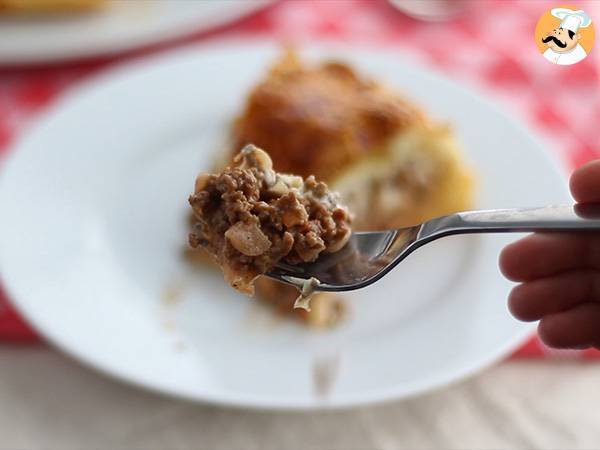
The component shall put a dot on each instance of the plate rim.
(139, 42)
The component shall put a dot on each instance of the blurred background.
(538, 397)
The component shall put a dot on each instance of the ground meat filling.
(250, 218)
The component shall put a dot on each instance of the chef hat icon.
(570, 19)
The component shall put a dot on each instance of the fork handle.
(581, 217)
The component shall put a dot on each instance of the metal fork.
(369, 256)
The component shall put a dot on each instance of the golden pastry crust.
(316, 120)
(392, 165)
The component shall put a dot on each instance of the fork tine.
(366, 255)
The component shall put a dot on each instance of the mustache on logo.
(555, 40)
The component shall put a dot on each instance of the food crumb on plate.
(325, 372)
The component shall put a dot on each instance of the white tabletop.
(48, 401)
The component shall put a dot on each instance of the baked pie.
(390, 163)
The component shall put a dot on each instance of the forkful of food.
(255, 221)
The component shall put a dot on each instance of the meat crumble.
(250, 218)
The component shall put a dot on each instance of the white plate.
(121, 25)
(93, 206)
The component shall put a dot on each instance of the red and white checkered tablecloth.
(491, 46)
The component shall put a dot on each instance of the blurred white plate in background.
(94, 201)
(118, 26)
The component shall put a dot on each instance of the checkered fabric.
(489, 46)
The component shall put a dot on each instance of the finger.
(576, 328)
(545, 254)
(538, 298)
(585, 183)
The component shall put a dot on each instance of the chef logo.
(565, 35)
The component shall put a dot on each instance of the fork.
(369, 256)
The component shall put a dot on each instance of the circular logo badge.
(565, 35)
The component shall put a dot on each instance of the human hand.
(560, 276)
